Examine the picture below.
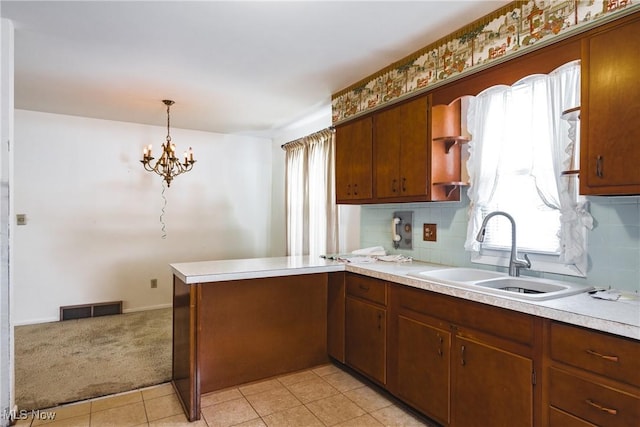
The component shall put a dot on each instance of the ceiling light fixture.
(168, 165)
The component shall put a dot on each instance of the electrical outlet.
(21, 219)
(154, 283)
(429, 232)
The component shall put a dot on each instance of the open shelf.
(571, 114)
(450, 141)
(451, 186)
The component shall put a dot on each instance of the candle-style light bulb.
(191, 154)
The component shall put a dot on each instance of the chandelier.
(168, 166)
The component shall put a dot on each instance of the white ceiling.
(249, 67)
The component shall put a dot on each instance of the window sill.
(539, 263)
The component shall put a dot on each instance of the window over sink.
(519, 148)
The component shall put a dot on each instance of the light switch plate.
(429, 232)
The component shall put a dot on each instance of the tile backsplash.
(613, 244)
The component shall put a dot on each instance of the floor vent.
(90, 310)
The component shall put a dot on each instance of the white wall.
(93, 231)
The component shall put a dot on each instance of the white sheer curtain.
(519, 129)
(484, 123)
(574, 214)
(312, 216)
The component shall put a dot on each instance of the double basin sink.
(526, 288)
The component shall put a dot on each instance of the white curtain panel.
(312, 214)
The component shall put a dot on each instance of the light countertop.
(252, 268)
(620, 317)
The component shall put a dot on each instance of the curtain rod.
(330, 128)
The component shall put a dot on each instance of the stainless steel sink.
(527, 288)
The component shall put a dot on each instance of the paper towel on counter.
(372, 251)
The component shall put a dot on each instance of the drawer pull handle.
(603, 356)
(363, 287)
(601, 408)
(599, 161)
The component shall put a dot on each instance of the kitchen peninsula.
(237, 321)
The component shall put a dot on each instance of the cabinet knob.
(348, 189)
(355, 189)
(462, 351)
(393, 186)
(404, 184)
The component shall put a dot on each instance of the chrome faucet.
(515, 264)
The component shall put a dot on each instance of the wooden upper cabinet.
(401, 147)
(354, 161)
(389, 156)
(610, 129)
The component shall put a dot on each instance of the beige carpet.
(63, 362)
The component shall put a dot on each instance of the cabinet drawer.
(598, 352)
(373, 290)
(558, 418)
(499, 322)
(592, 402)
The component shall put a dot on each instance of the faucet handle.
(528, 261)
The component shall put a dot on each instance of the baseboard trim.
(55, 319)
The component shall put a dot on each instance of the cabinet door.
(387, 152)
(491, 386)
(610, 129)
(402, 150)
(415, 161)
(422, 370)
(354, 159)
(365, 338)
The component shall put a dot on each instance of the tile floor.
(323, 396)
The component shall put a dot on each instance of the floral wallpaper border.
(512, 28)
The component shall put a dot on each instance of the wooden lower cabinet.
(492, 386)
(365, 338)
(592, 378)
(366, 326)
(422, 367)
(462, 363)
